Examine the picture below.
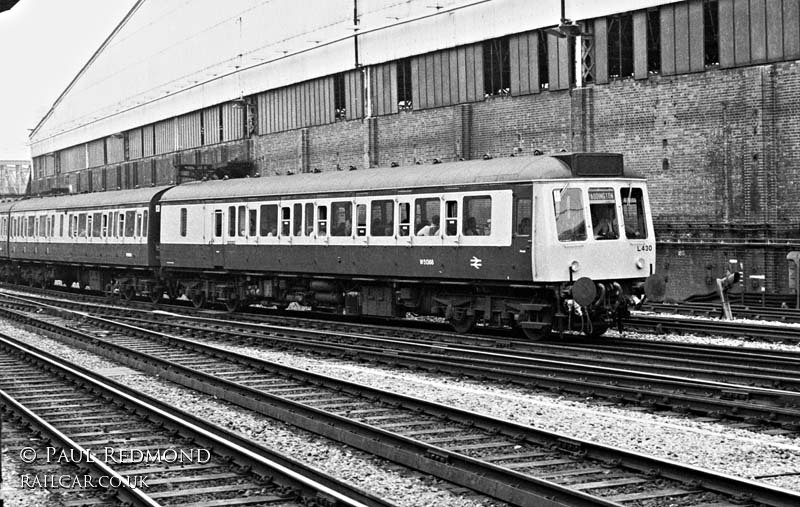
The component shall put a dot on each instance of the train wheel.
(535, 321)
(128, 292)
(110, 291)
(463, 324)
(232, 303)
(155, 294)
(598, 330)
(173, 291)
(198, 299)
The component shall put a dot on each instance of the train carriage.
(105, 240)
(548, 242)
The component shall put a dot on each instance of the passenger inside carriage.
(432, 229)
(604, 222)
(524, 227)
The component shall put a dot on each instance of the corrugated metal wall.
(96, 152)
(164, 136)
(72, 159)
(187, 129)
(302, 105)
(115, 149)
(232, 122)
(758, 31)
(524, 52)
(447, 77)
(135, 143)
(383, 89)
(148, 141)
(211, 125)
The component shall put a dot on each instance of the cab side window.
(568, 210)
(523, 216)
(633, 213)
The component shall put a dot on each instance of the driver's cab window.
(633, 216)
(603, 209)
(568, 209)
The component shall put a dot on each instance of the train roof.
(130, 197)
(472, 172)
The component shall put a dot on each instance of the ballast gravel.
(773, 459)
(397, 484)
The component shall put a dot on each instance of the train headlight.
(640, 263)
(575, 267)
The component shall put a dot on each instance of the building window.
(711, 32)
(544, 65)
(339, 103)
(404, 95)
(620, 46)
(496, 67)
(653, 42)
(587, 53)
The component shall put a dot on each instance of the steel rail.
(492, 479)
(312, 482)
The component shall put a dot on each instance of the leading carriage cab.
(594, 244)
(597, 223)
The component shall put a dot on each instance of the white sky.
(43, 45)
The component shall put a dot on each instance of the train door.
(523, 220)
(217, 236)
(405, 221)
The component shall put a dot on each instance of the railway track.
(512, 462)
(714, 310)
(761, 390)
(673, 322)
(143, 452)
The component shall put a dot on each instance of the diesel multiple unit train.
(543, 243)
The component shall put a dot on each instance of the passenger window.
(478, 215)
(322, 220)
(82, 225)
(121, 228)
(183, 222)
(568, 209)
(104, 231)
(523, 217)
(405, 219)
(130, 222)
(426, 217)
(231, 221)
(309, 219)
(286, 220)
(252, 222)
(138, 232)
(382, 214)
(97, 225)
(341, 215)
(269, 220)
(633, 213)
(241, 219)
(217, 223)
(144, 224)
(297, 223)
(31, 226)
(61, 226)
(361, 220)
(603, 209)
(451, 218)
